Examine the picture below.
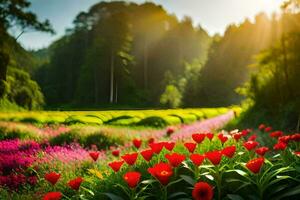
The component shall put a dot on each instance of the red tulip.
(280, 146)
(52, 196)
(197, 159)
(245, 132)
(198, 137)
(170, 131)
(94, 155)
(237, 136)
(262, 151)
(214, 157)
(297, 153)
(229, 151)
(261, 127)
(75, 183)
(284, 139)
(190, 146)
(151, 140)
(137, 143)
(249, 145)
(116, 165)
(295, 137)
(222, 138)
(157, 147)
(147, 154)
(202, 191)
(209, 136)
(268, 129)
(130, 158)
(52, 177)
(169, 145)
(116, 153)
(161, 171)
(255, 164)
(276, 134)
(132, 178)
(175, 159)
(252, 137)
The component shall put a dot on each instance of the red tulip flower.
(130, 158)
(262, 151)
(276, 134)
(190, 146)
(116, 153)
(209, 136)
(162, 172)
(252, 137)
(75, 183)
(94, 155)
(132, 178)
(170, 131)
(52, 196)
(261, 127)
(222, 138)
(280, 146)
(268, 129)
(116, 165)
(237, 136)
(295, 137)
(229, 151)
(297, 153)
(255, 164)
(169, 145)
(202, 191)
(137, 143)
(147, 154)
(151, 140)
(157, 147)
(249, 145)
(52, 177)
(245, 132)
(214, 157)
(175, 159)
(198, 137)
(197, 159)
(284, 139)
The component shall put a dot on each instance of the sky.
(213, 15)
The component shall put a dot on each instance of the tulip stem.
(165, 193)
(218, 182)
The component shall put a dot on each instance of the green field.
(147, 118)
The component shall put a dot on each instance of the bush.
(153, 121)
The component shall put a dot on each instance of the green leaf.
(234, 197)
(290, 192)
(210, 177)
(113, 196)
(149, 181)
(88, 190)
(177, 194)
(188, 179)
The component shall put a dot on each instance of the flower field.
(184, 161)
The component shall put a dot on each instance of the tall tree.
(14, 13)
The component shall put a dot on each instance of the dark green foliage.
(20, 89)
(100, 139)
(153, 122)
(119, 53)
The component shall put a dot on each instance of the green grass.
(151, 118)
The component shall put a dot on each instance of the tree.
(13, 13)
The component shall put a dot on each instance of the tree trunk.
(285, 69)
(111, 98)
(96, 86)
(4, 60)
(146, 64)
(116, 93)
